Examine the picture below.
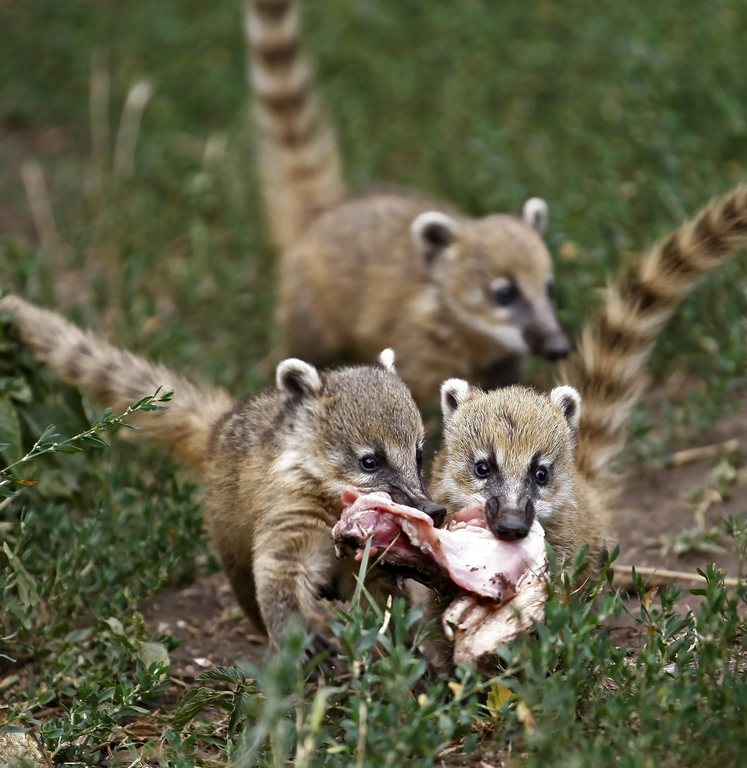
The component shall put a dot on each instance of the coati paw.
(323, 640)
(319, 645)
(323, 654)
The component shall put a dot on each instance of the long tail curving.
(298, 158)
(116, 378)
(608, 366)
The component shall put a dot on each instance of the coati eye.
(482, 469)
(505, 295)
(541, 475)
(369, 463)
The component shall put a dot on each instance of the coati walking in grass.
(273, 466)
(524, 454)
(454, 296)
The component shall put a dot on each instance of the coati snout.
(553, 347)
(437, 512)
(544, 336)
(509, 522)
(556, 348)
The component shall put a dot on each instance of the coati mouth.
(464, 552)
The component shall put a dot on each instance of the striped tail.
(298, 157)
(115, 378)
(608, 366)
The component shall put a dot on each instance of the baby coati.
(524, 454)
(454, 296)
(273, 466)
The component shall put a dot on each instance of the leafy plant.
(49, 441)
(568, 695)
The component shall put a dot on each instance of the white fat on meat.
(464, 548)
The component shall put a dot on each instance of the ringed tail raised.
(297, 153)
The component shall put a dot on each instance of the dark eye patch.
(505, 295)
(373, 460)
(369, 463)
(540, 473)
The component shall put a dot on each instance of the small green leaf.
(28, 594)
(78, 636)
(91, 441)
(67, 448)
(115, 625)
(48, 434)
(195, 702)
(224, 674)
(17, 390)
(150, 653)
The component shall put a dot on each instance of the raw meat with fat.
(503, 583)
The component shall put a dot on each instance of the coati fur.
(454, 296)
(273, 466)
(524, 454)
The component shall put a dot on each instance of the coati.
(523, 454)
(273, 466)
(453, 296)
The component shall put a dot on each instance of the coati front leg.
(305, 336)
(241, 577)
(304, 577)
(291, 573)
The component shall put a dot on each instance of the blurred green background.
(626, 117)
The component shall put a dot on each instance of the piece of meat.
(504, 583)
(464, 548)
(477, 627)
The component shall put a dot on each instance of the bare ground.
(206, 619)
(657, 504)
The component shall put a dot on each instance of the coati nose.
(436, 512)
(556, 347)
(509, 523)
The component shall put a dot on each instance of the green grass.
(625, 116)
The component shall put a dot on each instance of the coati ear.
(386, 359)
(569, 401)
(453, 393)
(298, 379)
(535, 214)
(433, 232)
